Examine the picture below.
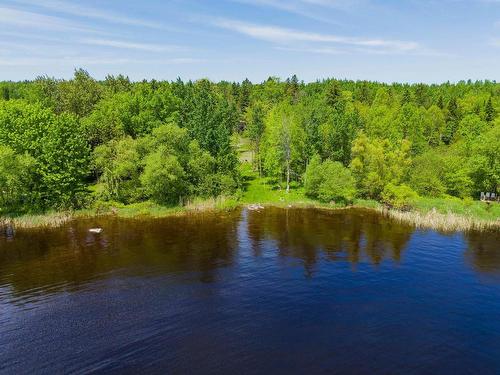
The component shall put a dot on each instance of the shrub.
(163, 178)
(329, 181)
(400, 197)
(16, 178)
(313, 177)
(337, 183)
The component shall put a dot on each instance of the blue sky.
(384, 40)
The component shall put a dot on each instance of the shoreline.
(432, 219)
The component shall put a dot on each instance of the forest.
(79, 143)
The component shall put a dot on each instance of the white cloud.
(495, 42)
(83, 61)
(295, 7)
(284, 35)
(80, 11)
(25, 19)
(321, 50)
(342, 4)
(130, 45)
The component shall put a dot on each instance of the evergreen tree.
(440, 102)
(333, 94)
(489, 111)
(406, 96)
(452, 120)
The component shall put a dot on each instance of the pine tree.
(245, 89)
(421, 95)
(452, 120)
(293, 88)
(440, 102)
(489, 111)
(406, 96)
(332, 94)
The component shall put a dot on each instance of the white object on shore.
(255, 207)
(95, 230)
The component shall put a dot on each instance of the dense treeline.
(69, 143)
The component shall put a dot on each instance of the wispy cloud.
(321, 50)
(495, 42)
(339, 4)
(83, 61)
(88, 12)
(26, 19)
(302, 8)
(282, 35)
(130, 45)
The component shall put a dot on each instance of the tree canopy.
(66, 143)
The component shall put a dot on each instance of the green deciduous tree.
(283, 144)
(58, 146)
(377, 162)
(329, 181)
(398, 196)
(17, 174)
(164, 179)
(255, 117)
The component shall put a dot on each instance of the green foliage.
(255, 116)
(400, 197)
(17, 173)
(313, 176)
(166, 166)
(58, 146)
(470, 127)
(172, 141)
(283, 145)
(79, 95)
(337, 135)
(163, 179)
(485, 160)
(119, 165)
(489, 111)
(337, 183)
(134, 113)
(377, 162)
(329, 181)
(434, 126)
(211, 120)
(456, 177)
(427, 174)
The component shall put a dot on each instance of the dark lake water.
(280, 291)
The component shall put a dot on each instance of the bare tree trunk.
(288, 151)
(288, 176)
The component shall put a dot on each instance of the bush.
(163, 178)
(16, 178)
(329, 181)
(426, 176)
(313, 177)
(337, 183)
(400, 197)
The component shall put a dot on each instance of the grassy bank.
(446, 214)
(143, 209)
(434, 213)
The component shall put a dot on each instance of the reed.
(211, 204)
(448, 222)
(421, 217)
(47, 220)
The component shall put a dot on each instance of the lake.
(279, 291)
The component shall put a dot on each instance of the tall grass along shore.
(437, 214)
